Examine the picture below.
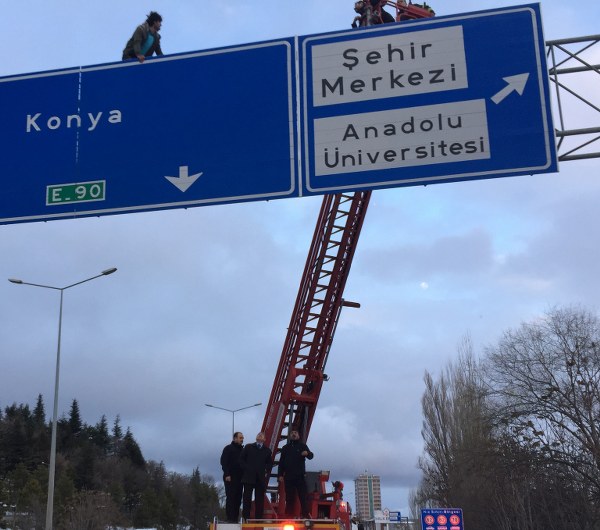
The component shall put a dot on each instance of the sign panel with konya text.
(173, 132)
(459, 97)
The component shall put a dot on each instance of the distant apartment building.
(367, 489)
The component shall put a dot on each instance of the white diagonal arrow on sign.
(514, 82)
(184, 180)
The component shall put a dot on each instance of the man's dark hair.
(153, 17)
(235, 434)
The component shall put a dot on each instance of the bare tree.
(546, 378)
(458, 439)
(515, 441)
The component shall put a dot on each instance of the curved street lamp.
(232, 413)
(52, 467)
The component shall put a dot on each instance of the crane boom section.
(300, 374)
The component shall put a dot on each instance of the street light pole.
(232, 413)
(51, 472)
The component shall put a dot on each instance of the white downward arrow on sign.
(514, 82)
(184, 180)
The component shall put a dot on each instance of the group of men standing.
(245, 471)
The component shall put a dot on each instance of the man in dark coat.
(255, 461)
(232, 477)
(292, 470)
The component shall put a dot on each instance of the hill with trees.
(102, 478)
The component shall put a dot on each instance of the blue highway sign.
(178, 131)
(442, 519)
(395, 517)
(433, 100)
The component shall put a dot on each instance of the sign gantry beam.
(577, 89)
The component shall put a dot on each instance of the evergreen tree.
(149, 509)
(100, 434)
(16, 482)
(39, 412)
(117, 431)
(75, 423)
(40, 439)
(64, 489)
(15, 444)
(131, 450)
(169, 511)
(85, 466)
(204, 500)
(32, 494)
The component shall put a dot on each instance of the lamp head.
(109, 271)
(14, 280)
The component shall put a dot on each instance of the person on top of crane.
(292, 470)
(371, 12)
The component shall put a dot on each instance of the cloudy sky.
(198, 310)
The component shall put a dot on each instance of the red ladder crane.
(301, 374)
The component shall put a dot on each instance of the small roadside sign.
(395, 516)
(442, 519)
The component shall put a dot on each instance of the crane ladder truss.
(300, 374)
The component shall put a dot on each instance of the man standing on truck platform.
(255, 461)
(292, 470)
(232, 477)
(145, 40)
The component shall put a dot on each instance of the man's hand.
(304, 453)
(141, 58)
(228, 479)
(280, 479)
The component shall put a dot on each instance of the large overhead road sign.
(435, 100)
(441, 99)
(202, 128)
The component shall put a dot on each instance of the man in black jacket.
(292, 470)
(255, 461)
(232, 477)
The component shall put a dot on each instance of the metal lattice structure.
(576, 82)
(300, 374)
